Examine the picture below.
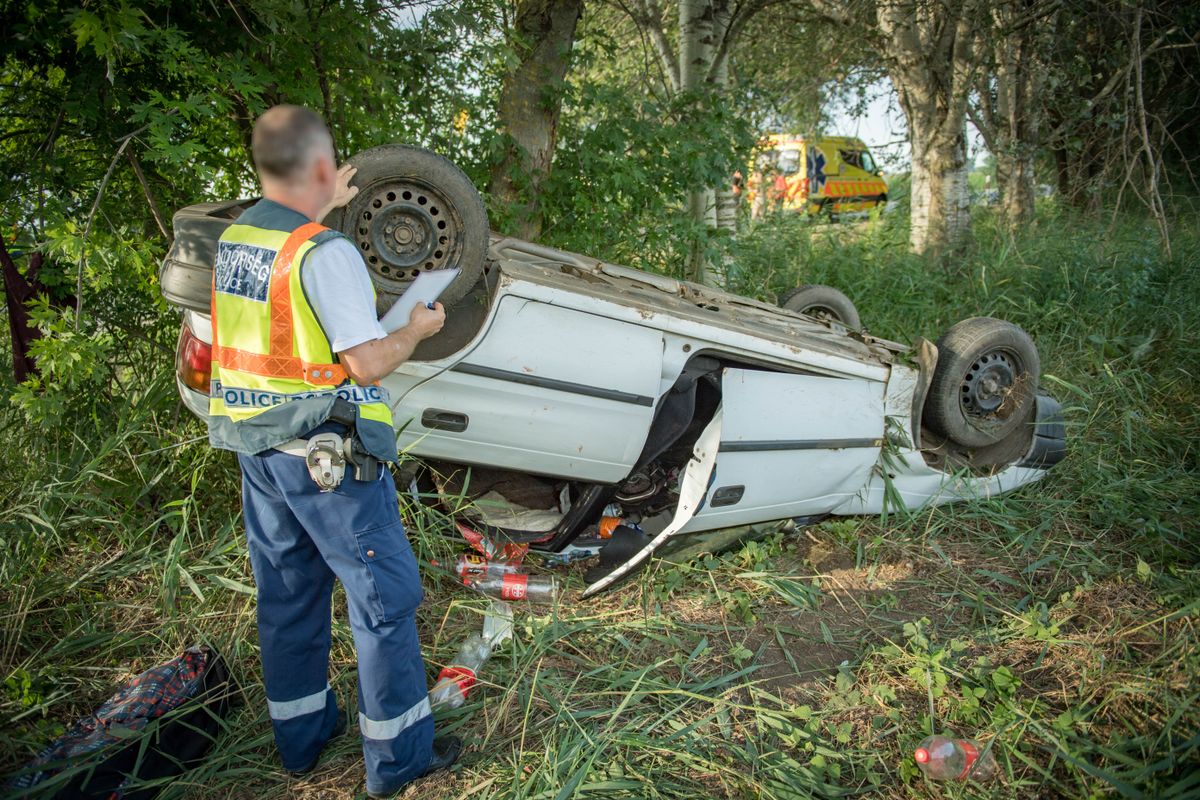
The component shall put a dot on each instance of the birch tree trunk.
(1015, 176)
(726, 201)
(696, 32)
(1006, 111)
(708, 30)
(930, 59)
(940, 215)
(529, 107)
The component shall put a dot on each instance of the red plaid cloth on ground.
(150, 695)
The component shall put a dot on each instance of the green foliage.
(623, 169)
(114, 88)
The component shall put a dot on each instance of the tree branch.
(158, 217)
(833, 10)
(984, 128)
(648, 17)
(87, 228)
(1113, 82)
(733, 29)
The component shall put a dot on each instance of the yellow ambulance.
(828, 174)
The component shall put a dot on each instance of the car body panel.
(905, 480)
(800, 445)
(549, 390)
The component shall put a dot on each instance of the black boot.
(446, 750)
(338, 729)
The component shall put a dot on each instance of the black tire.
(414, 212)
(822, 302)
(985, 382)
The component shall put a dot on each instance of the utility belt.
(327, 454)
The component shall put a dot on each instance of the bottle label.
(514, 587)
(470, 566)
(972, 755)
(463, 676)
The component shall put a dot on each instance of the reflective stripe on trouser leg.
(358, 531)
(294, 590)
(283, 710)
(384, 729)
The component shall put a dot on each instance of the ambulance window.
(868, 163)
(789, 161)
(851, 157)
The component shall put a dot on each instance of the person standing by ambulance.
(297, 355)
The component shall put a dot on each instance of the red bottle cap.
(922, 755)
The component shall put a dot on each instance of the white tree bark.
(725, 200)
(927, 47)
(1006, 110)
(707, 32)
(929, 53)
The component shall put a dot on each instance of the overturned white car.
(591, 408)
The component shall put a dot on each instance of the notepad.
(426, 289)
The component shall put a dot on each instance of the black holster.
(366, 466)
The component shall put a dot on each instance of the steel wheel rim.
(404, 227)
(990, 391)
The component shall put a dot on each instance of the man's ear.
(324, 170)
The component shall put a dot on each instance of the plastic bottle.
(517, 586)
(471, 566)
(456, 678)
(941, 758)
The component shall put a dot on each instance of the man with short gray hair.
(297, 354)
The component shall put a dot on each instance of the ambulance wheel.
(985, 383)
(414, 212)
(823, 302)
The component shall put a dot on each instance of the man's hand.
(425, 321)
(372, 361)
(343, 193)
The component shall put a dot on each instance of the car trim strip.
(554, 383)
(797, 444)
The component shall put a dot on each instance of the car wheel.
(414, 212)
(985, 382)
(822, 302)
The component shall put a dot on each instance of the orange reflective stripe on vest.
(279, 362)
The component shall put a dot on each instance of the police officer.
(297, 353)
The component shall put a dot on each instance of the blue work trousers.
(300, 539)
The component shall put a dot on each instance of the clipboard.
(425, 289)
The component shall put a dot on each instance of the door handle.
(727, 496)
(444, 420)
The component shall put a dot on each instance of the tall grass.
(1057, 625)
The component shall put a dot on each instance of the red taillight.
(193, 360)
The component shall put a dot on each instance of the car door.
(549, 390)
(791, 445)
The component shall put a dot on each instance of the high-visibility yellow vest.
(274, 376)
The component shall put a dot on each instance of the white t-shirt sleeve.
(339, 289)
